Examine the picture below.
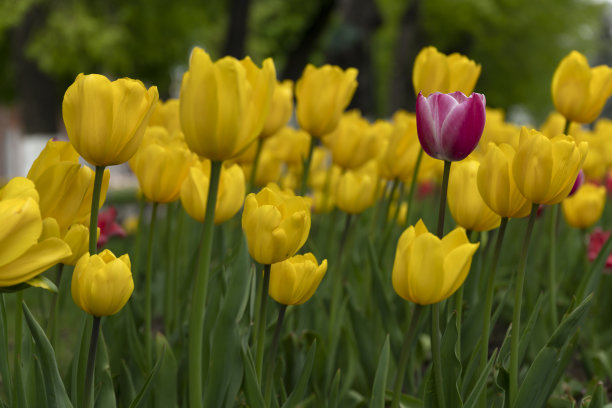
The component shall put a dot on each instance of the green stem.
(405, 354)
(198, 306)
(136, 261)
(568, 123)
(261, 326)
(484, 350)
(436, 354)
(552, 272)
(175, 276)
(147, 333)
(516, 315)
(413, 184)
(18, 327)
(394, 187)
(95, 206)
(253, 177)
(306, 168)
(91, 362)
(442, 209)
(272, 356)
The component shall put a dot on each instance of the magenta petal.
(441, 105)
(459, 96)
(426, 128)
(462, 128)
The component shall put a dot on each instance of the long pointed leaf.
(56, 393)
(296, 394)
(146, 387)
(251, 384)
(5, 371)
(380, 380)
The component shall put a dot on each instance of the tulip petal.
(462, 127)
(425, 267)
(21, 228)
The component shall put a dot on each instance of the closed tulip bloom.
(322, 95)
(428, 269)
(496, 183)
(545, 169)
(269, 167)
(295, 280)
(401, 152)
(436, 72)
(105, 120)
(291, 145)
(450, 125)
(65, 187)
(352, 144)
(230, 196)
(464, 201)
(281, 109)
(25, 251)
(580, 92)
(224, 104)
(102, 283)
(166, 114)
(356, 189)
(276, 224)
(161, 168)
(584, 208)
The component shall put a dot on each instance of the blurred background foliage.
(45, 43)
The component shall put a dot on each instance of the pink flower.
(597, 239)
(108, 226)
(450, 125)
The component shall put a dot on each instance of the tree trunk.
(238, 12)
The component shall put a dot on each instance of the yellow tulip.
(428, 269)
(224, 104)
(555, 125)
(281, 109)
(160, 168)
(291, 145)
(545, 169)
(496, 183)
(352, 143)
(436, 72)
(166, 114)
(400, 155)
(65, 187)
(24, 251)
(464, 201)
(102, 283)
(356, 189)
(295, 280)
(276, 224)
(580, 92)
(268, 168)
(194, 191)
(584, 208)
(322, 95)
(105, 120)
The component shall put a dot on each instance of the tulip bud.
(101, 283)
(276, 224)
(356, 189)
(436, 72)
(281, 109)
(105, 120)
(545, 169)
(224, 104)
(322, 95)
(578, 91)
(450, 125)
(464, 201)
(428, 269)
(352, 143)
(295, 280)
(230, 196)
(584, 209)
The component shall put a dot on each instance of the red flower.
(108, 226)
(596, 241)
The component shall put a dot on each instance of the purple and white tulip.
(450, 125)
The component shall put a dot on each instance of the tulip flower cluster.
(241, 208)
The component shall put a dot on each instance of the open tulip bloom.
(450, 125)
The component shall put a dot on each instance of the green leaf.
(165, 392)
(472, 400)
(56, 393)
(43, 283)
(5, 372)
(406, 401)
(332, 402)
(39, 392)
(146, 387)
(598, 400)
(299, 389)
(135, 345)
(104, 391)
(79, 362)
(127, 391)
(380, 380)
(251, 384)
(225, 363)
(570, 323)
(451, 366)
